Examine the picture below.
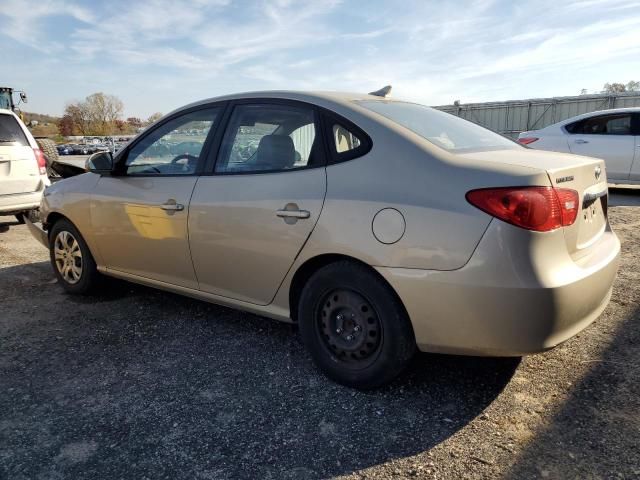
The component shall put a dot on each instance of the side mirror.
(23, 97)
(100, 163)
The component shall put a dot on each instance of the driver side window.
(173, 148)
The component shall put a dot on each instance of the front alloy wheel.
(68, 257)
(71, 258)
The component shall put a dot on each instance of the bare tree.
(154, 118)
(96, 115)
(103, 110)
(80, 117)
(632, 86)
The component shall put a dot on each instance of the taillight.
(527, 140)
(535, 208)
(42, 162)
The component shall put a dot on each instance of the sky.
(157, 55)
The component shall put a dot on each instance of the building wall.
(515, 116)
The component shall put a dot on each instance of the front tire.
(71, 259)
(354, 325)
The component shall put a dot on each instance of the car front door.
(251, 217)
(139, 214)
(608, 137)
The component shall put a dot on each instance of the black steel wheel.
(350, 327)
(354, 325)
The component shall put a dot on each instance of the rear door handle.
(172, 206)
(293, 213)
(580, 140)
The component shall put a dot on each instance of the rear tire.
(71, 259)
(354, 325)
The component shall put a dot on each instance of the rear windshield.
(10, 132)
(442, 129)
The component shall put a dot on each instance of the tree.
(66, 126)
(104, 110)
(632, 86)
(96, 115)
(80, 117)
(134, 122)
(154, 118)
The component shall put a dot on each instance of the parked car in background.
(612, 135)
(378, 226)
(23, 168)
(65, 150)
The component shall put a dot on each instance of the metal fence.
(515, 116)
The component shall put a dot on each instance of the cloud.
(431, 51)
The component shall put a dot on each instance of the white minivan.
(23, 168)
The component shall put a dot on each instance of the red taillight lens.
(42, 162)
(569, 203)
(527, 140)
(535, 208)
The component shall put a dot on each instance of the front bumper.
(38, 233)
(520, 293)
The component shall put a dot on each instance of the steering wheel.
(191, 159)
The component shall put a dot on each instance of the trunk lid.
(585, 175)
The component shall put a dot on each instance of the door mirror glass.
(100, 162)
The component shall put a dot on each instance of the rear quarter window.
(11, 133)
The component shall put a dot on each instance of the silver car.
(380, 227)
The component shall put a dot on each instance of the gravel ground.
(136, 383)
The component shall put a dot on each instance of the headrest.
(276, 151)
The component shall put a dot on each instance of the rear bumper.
(38, 233)
(520, 293)
(19, 202)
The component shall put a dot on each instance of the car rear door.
(19, 171)
(250, 218)
(139, 216)
(607, 136)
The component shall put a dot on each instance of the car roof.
(600, 112)
(316, 97)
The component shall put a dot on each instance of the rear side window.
(10, 132)
(270, 138)
(613, 124)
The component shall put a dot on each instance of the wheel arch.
(313, 264)
(54, 217)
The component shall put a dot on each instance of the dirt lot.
(136, 383)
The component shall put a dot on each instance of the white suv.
(23, 168)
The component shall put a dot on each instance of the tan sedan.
(379, 226)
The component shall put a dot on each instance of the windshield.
(442, 129)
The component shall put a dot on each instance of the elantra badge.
(568, 178)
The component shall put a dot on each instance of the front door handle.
(293, 213)
(580, 140)
(172, 206)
